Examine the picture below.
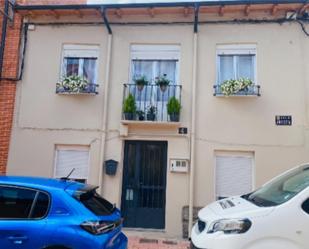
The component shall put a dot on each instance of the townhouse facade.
(163, 106)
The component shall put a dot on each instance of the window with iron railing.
(236, 70)
(78, 69)
(151, 102)
(153, 93)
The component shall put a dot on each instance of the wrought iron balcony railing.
(253, 90)
(88, 89)
(151, 103)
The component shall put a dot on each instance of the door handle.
(17, 239)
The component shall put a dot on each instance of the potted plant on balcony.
(163, 82)
(129, 107)
(141, 115)
(72, 84)
(141, 82)
(173, 109)
(151, 113)
(230, 87)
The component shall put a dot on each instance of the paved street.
(144, 243)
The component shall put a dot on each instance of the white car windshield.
(281, 189)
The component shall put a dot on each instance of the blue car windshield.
(281, 189)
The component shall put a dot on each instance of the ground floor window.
(234, 174)
(68, 158)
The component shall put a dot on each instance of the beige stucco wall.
(44, 119)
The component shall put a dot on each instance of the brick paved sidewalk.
(144, 243)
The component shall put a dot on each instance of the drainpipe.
(193, 111)
(3, 33)
(106, 93)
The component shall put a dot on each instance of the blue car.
(42, 213)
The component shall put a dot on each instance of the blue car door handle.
(17, 239)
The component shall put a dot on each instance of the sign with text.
(284, 120)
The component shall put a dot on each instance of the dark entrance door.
(144, 184)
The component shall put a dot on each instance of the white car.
(276, 216)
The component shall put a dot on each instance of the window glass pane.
(89, 67)
(143, 68)
(41, 206)
(245, 68)
(226, 68)
(96, 204)
(281, 189)
(72, 65)
(305, 206)
(167, 67)
(15, 202)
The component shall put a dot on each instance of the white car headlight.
(230, 226)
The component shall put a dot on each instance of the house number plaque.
(183, 130)
(283, 120)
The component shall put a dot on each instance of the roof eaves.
(157, 5)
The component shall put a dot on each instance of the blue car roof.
(41, 183)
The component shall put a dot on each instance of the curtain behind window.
(89, 68)
(152, 69)
(71, 66)
(235, 67)
(245, 66)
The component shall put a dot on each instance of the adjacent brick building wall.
(8, 88)
(10, 70)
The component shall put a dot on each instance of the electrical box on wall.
(179, 165)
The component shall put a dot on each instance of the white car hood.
(234, 207)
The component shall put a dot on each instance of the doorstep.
(146, 243)
(153, 239)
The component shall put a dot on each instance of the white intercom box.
(179, 165)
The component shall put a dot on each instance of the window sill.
(78, 93)
(150, 123)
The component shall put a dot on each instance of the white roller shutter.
(80, 51)
(233, 175)
(155, 52)
(72, 157)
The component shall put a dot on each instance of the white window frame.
(155, 52)
(80, 51)
(249, 154)
(71, 148)
(236, 49)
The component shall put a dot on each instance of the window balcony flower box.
(239, 87)
(76, 85)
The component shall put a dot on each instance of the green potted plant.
(141, 115)
(141, 82)
(129, 107)
(230, 87)
(163, 82)
(151, 113)
(173, 109)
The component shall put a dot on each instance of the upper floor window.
(78, 70)
(80, 60)
(236, 70)
(235, 62)
(153, 61)
(153, 83)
